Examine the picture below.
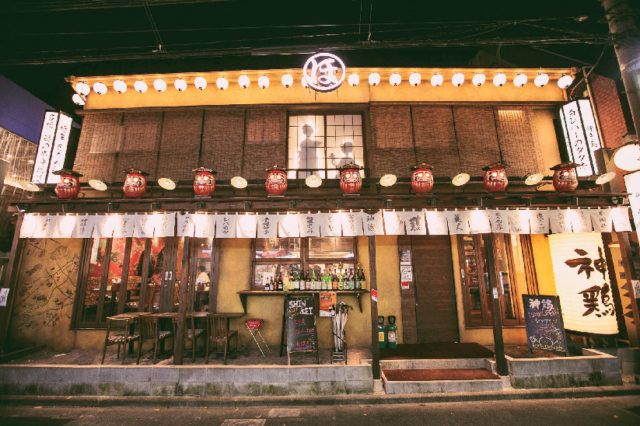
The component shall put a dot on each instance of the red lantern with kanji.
(564, 177)
(422, 178)
(350, 179)
(495, 178)
(276, 182)
(135, 184)
(69, 185)
(205, 182)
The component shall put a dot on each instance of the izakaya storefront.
(434, 251)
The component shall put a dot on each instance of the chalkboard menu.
(300, 323)
(543, 319)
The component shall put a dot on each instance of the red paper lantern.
(350, 179)
(276, 182)
(135, 184)
(205, 182)
(495, 178)
(69, 185)
(422, 178)
(564, 177)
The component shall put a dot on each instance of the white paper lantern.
(437, 80)
(83, 88)
(263, 82)
(499, 80)
(541, 80)
(478, 79)
(414, 79)
(99, 88)
(627, 157)
(119, 86)
(77, 99)
(200, 83)
(457, 79)
(374, 79)
(243, 81)
(565, 81)
(222, 83)
(520, 80)
(354, 80)
(140, 86)
(160, 85)
(395, 79)
(287, 80)
(180, 85)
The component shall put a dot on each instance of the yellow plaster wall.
(546, 138)
(544, 267)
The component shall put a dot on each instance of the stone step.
(437, 381)
(425, 364)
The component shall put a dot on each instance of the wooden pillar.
(625, 252)
(215, 276)
(144, 279)
(373, 286)
(498, 341)
(124, 276)
(9, 281)
(178, 350)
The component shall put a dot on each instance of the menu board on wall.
(543, 321)
(300, 323)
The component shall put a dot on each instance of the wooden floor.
(436, 351)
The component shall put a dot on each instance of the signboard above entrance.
(324, 72)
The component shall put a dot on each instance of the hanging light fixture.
(83, 88)
(457, 79)
(478, 79)
(520, 80)
(388, 180)
(414, 79)
(374, 79)
(460, 179)
(395, 79)
(541, 80)
(166, 183)
(565, 81)
(263, 82)
(354, 80)
(97, 184)
(627, 157)
(437, 80)
(99, 88)
(313, 181)
(605, 178)
(140, 86)
(499, 80)
(238, 182)
(77, 99)
(532, 179)
(222, 83)
(29, 186)
(200, 83)
(180, 85)
(160, 85)
(119, 86)
(287, 80)
(244, 81)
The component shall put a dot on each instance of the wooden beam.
(9, 280)
(144, 278)
(373, 287)
(215, 276)
(498, 340)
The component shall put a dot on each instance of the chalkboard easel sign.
(543, 320)
(300, 323)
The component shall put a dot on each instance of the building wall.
(609, 110)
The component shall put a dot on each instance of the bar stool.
(254, 326)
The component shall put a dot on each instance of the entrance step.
(428, 364)
(440, 380)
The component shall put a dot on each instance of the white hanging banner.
(104, 226)
(30, 223)
(580, 220)
(185, 225)
(145, 225)
(582, 282)
(560, 221)
(458, 222)
(329, 225)
(539, 221)
(308, 225)
(352, 224)
(83, 227)
(288, 225)
(601, 220)
(479, 222)
(267, 226)
(393, 222)
(414, 222)
(632, 183)
(519, 221)
(499, 221)
(123, 226)
(62, 225)
(437, 222)
(205, 225)
(226, 225)
(372, 223)
(246, 226)
(167, 226)
(620, 219)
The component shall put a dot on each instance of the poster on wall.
(406, 276)
(582, 283)
(328, 301)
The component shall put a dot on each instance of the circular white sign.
(324, 72)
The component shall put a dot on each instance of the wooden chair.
(191, 333)
(218, 333)
(124, 334)
(150, 330)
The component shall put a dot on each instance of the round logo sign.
(324, 72)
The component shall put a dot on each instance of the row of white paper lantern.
(83, 89)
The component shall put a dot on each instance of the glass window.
(266, 271)
(323, 143)
(94, 281)
(331, 248)
(277, 248)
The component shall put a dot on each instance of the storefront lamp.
(200, 83)
(140, 86)
(627, 157)
(414, 79)
(374, 79)
(99, 88)
(605, 178)
(565, 81)
(460, 179)
(238, 182)
(499, 80)
(222, 83)
(77, 99)
(166, 183)
(97, 184)
(180, 85)
(287, 80)
(533, 179)
(457, 79)
(388, 180)
(160, 85)
(263, 82)
(83, 88)
(313, 181)
(541, 80)
(478, 79)
(354, 80)
(243, 81)
(119, 86)
(520, 80)
(437, 80)
(29, 186)
(395, 79)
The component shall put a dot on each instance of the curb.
(194, 401)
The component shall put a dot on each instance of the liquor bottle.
(296, 280)
(267, 286)
(335, 281)
(286, 282)
(352, 280)
(280, 283)
(363, 281)
(307, 284)
(340, 280)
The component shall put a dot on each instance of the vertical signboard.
(632, 183)
(45, 147)
(60, 144)
(581, 136)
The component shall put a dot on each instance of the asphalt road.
(624, 410)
